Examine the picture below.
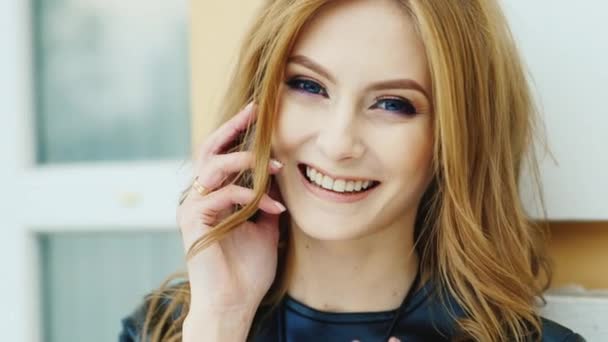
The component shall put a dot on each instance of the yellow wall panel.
(580, 253)
(217, 29)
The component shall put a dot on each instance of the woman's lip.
(334, 196)
(332, 176)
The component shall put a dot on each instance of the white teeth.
(328, 183)
(350, 186)
(339, 185)
(319, 178)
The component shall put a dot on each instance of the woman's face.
(355, 105)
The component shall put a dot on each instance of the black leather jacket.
(422, 318)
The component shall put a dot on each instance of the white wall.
(566, 46)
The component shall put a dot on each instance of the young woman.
(369, 191)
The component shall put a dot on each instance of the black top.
(422, 318)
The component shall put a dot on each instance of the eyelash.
(300, 84)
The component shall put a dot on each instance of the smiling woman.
(401, 128)
(344, 108)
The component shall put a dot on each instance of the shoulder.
(554, 332)
(132, 325)
(445, 313)
(130, 329)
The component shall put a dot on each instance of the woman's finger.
(196, 218)
(224, 198)
(226, 133)
(265, 219)
(220, 166)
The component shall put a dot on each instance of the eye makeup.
(393, 104)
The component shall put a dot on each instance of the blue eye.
(307, 86)
(397, 105)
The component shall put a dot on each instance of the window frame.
(97, 196)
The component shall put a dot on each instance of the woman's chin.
(330, 231)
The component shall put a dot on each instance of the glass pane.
(112, 80)
(92, 280)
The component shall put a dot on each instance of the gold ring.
(199, 188)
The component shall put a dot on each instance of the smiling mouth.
(342, 187)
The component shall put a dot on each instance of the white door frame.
(133, 196)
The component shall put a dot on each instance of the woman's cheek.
(414, 153)
(295, 124)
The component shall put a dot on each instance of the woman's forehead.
(364, 40)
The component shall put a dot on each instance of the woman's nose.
(339, 137)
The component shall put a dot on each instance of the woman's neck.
(370, 274)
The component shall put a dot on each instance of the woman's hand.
(230, 277)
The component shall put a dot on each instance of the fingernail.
(280, 206)
(247, 108)
(276, 164)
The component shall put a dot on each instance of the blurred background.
(99, 124)
(96, 137)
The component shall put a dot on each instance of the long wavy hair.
(475, 239)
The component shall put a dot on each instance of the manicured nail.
(249, 105)
(276, 164)
(280, 206)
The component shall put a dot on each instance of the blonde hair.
(476, 242)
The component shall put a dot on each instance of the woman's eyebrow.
(404, 83)
(312, 65)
